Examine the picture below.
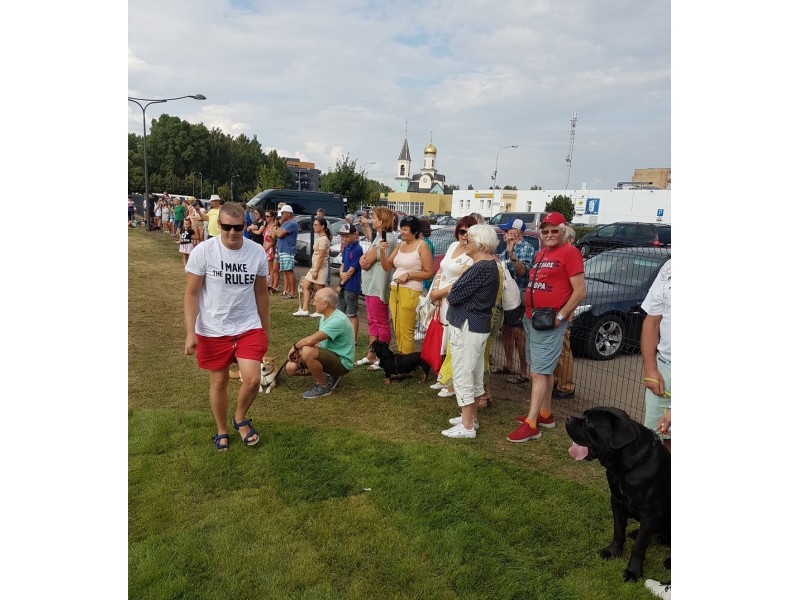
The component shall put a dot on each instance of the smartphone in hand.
(383, 236)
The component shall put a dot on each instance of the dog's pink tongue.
(578, 452)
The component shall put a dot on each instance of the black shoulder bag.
(541, 318)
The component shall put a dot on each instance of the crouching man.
(328, 354)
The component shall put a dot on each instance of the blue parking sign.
(660, 212)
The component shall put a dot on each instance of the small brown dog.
(269, 372)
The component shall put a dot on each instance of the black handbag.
(541, 318)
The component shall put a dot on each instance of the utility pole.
(573, 121)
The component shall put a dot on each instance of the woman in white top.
(412, 263)
(454, 263)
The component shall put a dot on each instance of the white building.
(592, 207)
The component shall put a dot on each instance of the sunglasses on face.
(549, 232)
(462, 232)
(228, 227)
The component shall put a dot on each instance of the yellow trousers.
(403, 306)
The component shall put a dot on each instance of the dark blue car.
(609, 320)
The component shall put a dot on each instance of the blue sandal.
(253, 433)
(217, 439)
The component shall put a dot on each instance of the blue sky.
(319, 80)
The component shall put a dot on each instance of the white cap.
(287, 208)
(215, 197)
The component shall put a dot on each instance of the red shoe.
(547, 423)
(523, 433)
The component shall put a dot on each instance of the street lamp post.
(201, 185)
(148, 102)
(192, 183)
(233, 197)
(494, 176)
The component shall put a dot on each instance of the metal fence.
(605, 333)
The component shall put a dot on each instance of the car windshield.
(622, 269)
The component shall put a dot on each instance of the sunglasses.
(549, 232)
(462, 232)
(228, 227)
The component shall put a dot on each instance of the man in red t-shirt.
(556, 281)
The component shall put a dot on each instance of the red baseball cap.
(554, 218)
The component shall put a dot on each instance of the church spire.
(403, 176)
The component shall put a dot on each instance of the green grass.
(356, 495)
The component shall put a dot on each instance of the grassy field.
(356, 495)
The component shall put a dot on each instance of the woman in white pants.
(471, 298)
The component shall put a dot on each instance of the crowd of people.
(233, 258)
(393, 275)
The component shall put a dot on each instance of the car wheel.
(605, 338)
(585, 251)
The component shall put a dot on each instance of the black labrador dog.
(638, 472)
(398, 366)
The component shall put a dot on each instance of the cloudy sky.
(319, 80)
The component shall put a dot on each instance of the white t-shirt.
(227, 298)
(659, 302)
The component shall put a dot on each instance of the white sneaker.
(445, 393)
(457, 420)
(363, 361)
(438, 386)
(300, 313)
(658, 589)
(376, 366)
(459, 431)
(316, 315)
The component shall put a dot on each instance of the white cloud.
(334, 79)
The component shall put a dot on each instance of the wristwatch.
(560, 317)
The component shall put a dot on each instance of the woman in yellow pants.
(412, 263)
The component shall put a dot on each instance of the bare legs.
(250, 371)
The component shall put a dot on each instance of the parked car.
(625, 235)
(303, 253)
(443, 237)
(443, 221)
(532, 220)
(609, 320)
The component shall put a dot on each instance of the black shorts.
(513, 318)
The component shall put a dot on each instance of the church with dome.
(427, 181)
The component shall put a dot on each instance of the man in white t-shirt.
(656, 344)
(226, 309)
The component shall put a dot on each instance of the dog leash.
(667, 393)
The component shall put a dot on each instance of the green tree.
(535, 187)
(346, 179)
(274, 174)
(469, 187)
(562, 204)
(509, 187)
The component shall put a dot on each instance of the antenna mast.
(573, 121)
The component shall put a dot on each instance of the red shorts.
(216, 353)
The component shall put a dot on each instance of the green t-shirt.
(180, 213)
(341, 340)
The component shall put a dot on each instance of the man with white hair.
(328, 354)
